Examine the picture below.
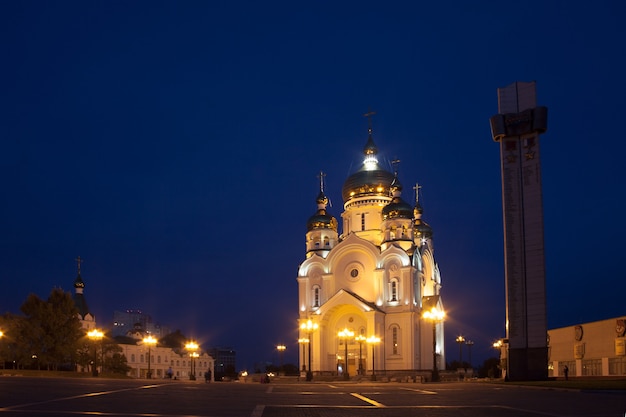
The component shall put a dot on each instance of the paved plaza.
(49, 397)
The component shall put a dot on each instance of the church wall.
(400, 358)
(354, 271)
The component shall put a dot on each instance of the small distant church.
(87, 319)
(370, 281)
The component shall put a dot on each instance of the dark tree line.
(49, 336)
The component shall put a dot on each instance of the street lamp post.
(460, 340)
(435, 316)
(303, 341)
(149, 341)
(192, 347)
(469, 344)
(373, 340)
(193, 356)
(360, 339)
(309, 327)
(2, 361)
(95, 335)
(280, 348)
(501, 346)
(345, 335)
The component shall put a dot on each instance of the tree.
(174, 340)
(11, 344)
(490, 368)
(53, 330)
(114, 360)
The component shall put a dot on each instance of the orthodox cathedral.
(363, 293)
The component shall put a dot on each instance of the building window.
(393, 290)
(141, 358)
(394, 340)
(316, 296)
(362, 221)
(132, 357)
(326, 241)
(159, 359)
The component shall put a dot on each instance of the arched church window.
(393, 290)
(394, 340)
(316, 296)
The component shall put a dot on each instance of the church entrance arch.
(350, 319)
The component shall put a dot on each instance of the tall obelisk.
(517, 127)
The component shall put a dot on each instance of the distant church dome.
(397, 208)
(321, 219)
(422, 229)
(78, 282)
(370, 180)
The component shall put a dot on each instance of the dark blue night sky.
(174, 146)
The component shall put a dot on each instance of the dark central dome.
(367, 182)
(370, 180)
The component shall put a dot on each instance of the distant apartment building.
(225, 361)
(131, 321)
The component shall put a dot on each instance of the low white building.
(164, 358)
(590, 349)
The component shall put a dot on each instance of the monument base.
(528, 364)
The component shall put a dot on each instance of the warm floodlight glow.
(372, 340)
(309, 326)
(150, 340)
(370, 162)
(95, 334)
(345, 333)
(191, 345)
(434, 314)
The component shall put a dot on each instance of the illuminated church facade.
(363, 293)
